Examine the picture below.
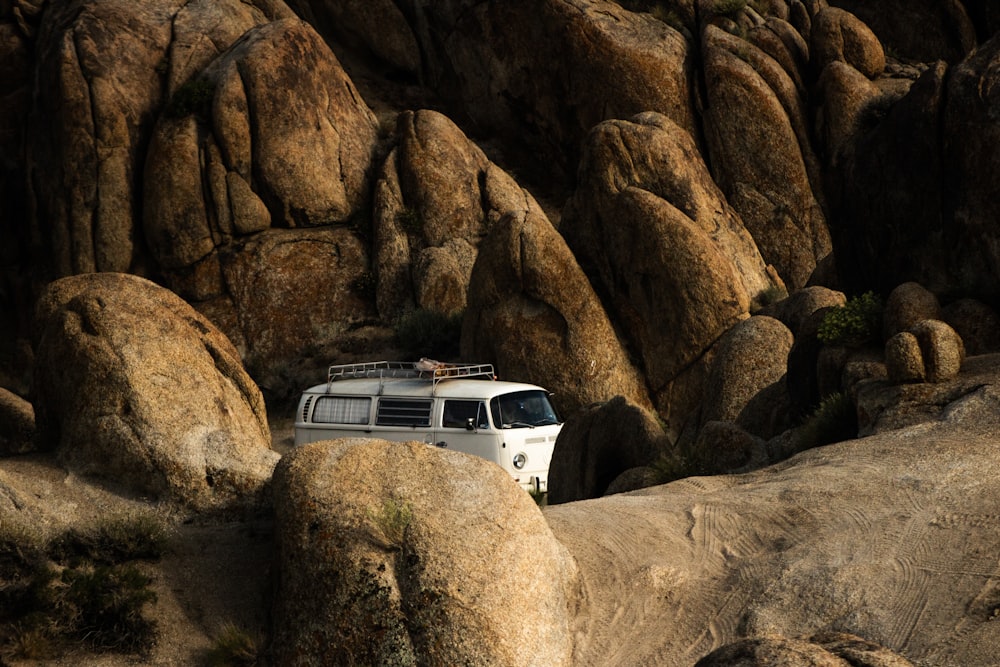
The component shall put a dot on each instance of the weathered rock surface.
(823, 650)
(799, 306)
(135, 388)
(546, 72)
(750, 357)
(598, 444)
(17, 424)
(839, 35)
(853, 538)
(534, 314)
(670, 257)
(907, 305)
(291, 144)
(292, 288)
(379, 565)
(753, 108)
(437, 197)
(934, 30)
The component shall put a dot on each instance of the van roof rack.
(427, 369)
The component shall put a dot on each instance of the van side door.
(464, 426)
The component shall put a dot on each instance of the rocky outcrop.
(752, 107)
(538, 73)
(373, 568)
(17, 424)
(798, 547)
(667, 253)
(436, 198)
(911, 194)
(534, 314)
(829, 649)
(600, 443)
(137, 389)
(749, 358)
(933, 30)
(291, 144)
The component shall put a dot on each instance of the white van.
(459, 406)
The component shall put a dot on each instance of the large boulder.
(907, 305)
(533, 313)
(404, 554)
(600, 443)
(839, 35)
(136, 388)
(668, 254)
(17, 424)
(295, 288)
(91, 117)
(751, 356)
(753, 108)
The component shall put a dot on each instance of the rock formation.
(135, 388)
(363, 544)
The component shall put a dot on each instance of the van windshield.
(523, 409)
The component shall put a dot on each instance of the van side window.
(458, 413)
(342, 410)
(403, 412)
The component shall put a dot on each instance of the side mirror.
(470, 424)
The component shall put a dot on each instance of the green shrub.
(192, 97)
(391, 521)
(834, 420)
(429, 333)
(234, 647)
(102, 606)
(728, 7)
(854, 324)
(767, 297)
(78, 588)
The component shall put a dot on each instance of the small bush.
(391, 521)
(80, 587)
(193, 97)
(728, 7)
(834, 420)
(854, 324)
(234, 647)
(765, 298)
(429, 333)
(411, 221)
(102, 607)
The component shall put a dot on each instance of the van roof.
(419, 388)
(422, 378)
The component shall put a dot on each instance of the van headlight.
(520, 459)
